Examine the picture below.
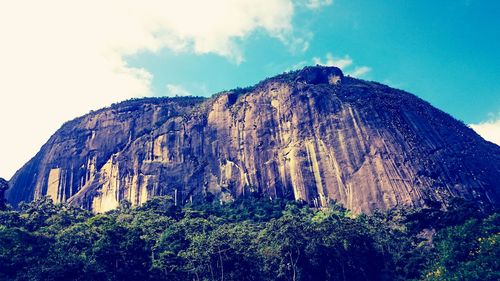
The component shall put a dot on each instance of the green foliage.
(470, 251)
(248, 239)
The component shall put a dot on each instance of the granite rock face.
(310, 135)
(4, 185)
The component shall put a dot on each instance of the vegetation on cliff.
(248, 239)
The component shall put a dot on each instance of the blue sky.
(447, 52)
(60, 59)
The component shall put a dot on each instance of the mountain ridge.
(312, 134)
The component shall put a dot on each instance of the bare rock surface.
(310, 135)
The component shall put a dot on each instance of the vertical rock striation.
(310, 135)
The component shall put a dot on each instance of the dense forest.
(248, 239)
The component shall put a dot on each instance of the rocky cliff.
(4, 185)
(310, 135)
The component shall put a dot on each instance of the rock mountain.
(313, 135)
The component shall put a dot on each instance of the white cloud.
(316, 4)
(359, 71)
(177, 91)
(297, 66)
(61, 58)
(345, 63)
(330, 60)
(489, 130)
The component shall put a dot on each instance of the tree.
(283, 242)
(470, 251)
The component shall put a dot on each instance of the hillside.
(313, 135)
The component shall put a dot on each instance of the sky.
(59, 59)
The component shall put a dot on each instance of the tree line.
(248, 239)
